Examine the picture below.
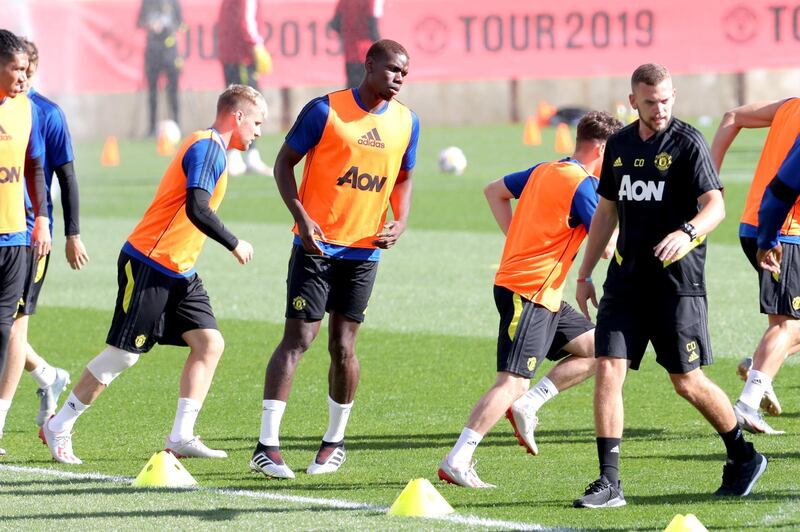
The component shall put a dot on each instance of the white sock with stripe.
(757, 383)
(185, 418)
(461, 454)
(65, 419)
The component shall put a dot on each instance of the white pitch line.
(469, 520)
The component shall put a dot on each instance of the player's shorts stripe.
(40, 266)
(512, 327)
(693, 244)
(618, 257)
(129, 282)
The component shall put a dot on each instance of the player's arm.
(73, 247)
(603, 226)
(778, 199)
(499, 199)
(400, 198)
(285, 179)
(584, 205)
(751, 115)
(203, 163)
(37, 189)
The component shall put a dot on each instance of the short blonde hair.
(235, 95)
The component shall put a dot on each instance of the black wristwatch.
(689, 230)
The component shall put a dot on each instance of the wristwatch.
(689, 230)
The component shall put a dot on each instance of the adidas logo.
(372, 138)
(618, 162)
(4, 135)
(694, 356)
(614, 449)
(757, 381)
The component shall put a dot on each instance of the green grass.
(427, 354)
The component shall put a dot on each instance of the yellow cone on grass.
(420, 499)
(110, 154)
(685, 523)
(163, 470)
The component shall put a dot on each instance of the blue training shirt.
(307, 132)
(773, 210)
(584, 202)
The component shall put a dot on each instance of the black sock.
(608, 455)
(737, 448)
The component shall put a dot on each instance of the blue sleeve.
(516, 182)
(203, 163)
(410, 156)
(57, 138)
(584, 202)
(36, 142)
(307, 129)
(778, 199)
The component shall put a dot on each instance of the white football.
(452, 161)
(170, 130)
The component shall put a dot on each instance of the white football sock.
(538, 395)
(464, 448)
(5, 406)
(757, 383)
(337, 420)
(65, 419)
(271, 414)
(185, 418)
(44, 375)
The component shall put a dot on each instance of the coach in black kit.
(659, 183)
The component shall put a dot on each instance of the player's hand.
(307, 228)
(671, 246)
(77, 257)
(583, 293)
(391, 232)
(41, 240)
(243, 252)
(262, 60)
(770, 259)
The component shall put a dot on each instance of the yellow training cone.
(420, 499)
(163, 470)
(110, 154)
(564, 143)
(532, 136)
(685, 523)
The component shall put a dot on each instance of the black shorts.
(317, 284)
(529, 332)
(240, 74)
(676, 325)
(779, 295)
(153, 307)
(13, 267)
(34, 279)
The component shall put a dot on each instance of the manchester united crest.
(663, 161)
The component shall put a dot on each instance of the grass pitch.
(427, 354)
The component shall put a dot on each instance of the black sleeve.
(34, 181)
(69, 198)
(200, 214)
(704, 176)
(607, 187)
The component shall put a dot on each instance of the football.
(169, 130)
(452, 161)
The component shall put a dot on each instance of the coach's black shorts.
(34, 279)
(529, 332)
(13, 266)
(780, 294)
(676, 325)
(317, 284)
(153, 307)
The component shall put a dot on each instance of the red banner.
(94, 46)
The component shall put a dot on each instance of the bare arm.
(287, 186)
(499, 198)
(604, 223)
(400, 200)
(712, 212)
(751, 115)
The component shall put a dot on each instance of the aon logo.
(363, 181)
(640, 190)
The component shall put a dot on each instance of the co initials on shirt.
(640, 190)
(363, 181)
(9, 175)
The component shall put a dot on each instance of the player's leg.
(620, 343)
(351, 283)
(152, 69)
(525, 332)
(683, 346)
(306, 297)
(51, 382)
(15, 362)
(172, 67)
(573, 348)
(13, 268)
(142, 296)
